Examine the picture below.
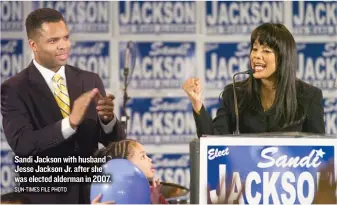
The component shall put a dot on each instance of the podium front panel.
(280, 170)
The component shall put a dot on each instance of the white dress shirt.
(66, 129)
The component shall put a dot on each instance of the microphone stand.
(125, 117)
(127, 65)
(236, 107)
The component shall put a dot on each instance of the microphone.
(127, 60)
(127, 65)
(236, 108)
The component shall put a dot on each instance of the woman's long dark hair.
(278, 38)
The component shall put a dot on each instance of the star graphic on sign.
(320, 153)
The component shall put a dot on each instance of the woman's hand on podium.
(192, 88)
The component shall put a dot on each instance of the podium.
(277, 168)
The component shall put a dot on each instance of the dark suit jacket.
(253, 119)
(32, 123)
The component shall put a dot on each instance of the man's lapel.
(74, 84)
(42, 95)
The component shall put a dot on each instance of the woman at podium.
(271, 99)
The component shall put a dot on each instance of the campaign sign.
(82, 16)
(223, 60)
(165, 17)
(314, 18)
(11, 58)
(160, 120)
(11, 13)
(330, 114)
(274, 170)
(2, 135)
(93, 56)
(317, 64)
(172, 168)
(4, 144)
(212, 105)
(160, 65)
(233, 17)
(7, 171)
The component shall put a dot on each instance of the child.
(134, 151)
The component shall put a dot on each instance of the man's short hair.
(14, 198)
(36, 18)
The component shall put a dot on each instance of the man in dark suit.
(56, 110)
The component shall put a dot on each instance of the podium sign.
(274, 170)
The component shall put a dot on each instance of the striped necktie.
(61, 95)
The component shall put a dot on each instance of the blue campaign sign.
(161, 120)
(11, 16)
(11, 64)
(172, 167)
(273, 170)
(82, 16)
(160, 65)
(4, 144)
(11, 57)
(165, 17)
(314, 18)
(93, 56)
(330, 114)
(317, 64)
(233, 17)
(212, 105)
(223, 60)
(2, 134)
(7, 171)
